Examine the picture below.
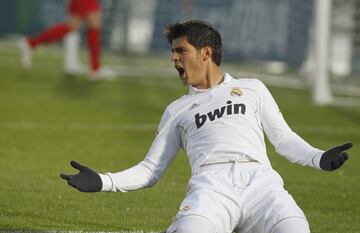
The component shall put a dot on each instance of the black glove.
(335, 157)
(86, 180)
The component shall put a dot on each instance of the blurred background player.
(79, 11)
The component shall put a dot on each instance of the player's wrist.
(107, 184)
(316, 159)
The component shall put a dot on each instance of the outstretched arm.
(291, 145)
(87, 180)
(145, 174)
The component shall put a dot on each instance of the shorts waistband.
(224, 161)
(225, 166)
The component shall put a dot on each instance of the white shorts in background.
(240, 197)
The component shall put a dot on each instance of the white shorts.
(240, 197)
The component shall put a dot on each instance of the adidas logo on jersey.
(229, 109)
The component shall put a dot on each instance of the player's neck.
(214, 77)
(211, 77)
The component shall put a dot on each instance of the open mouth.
(180, 70)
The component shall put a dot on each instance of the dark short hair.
(199, 34)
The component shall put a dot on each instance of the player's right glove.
(87, 180)
(335, 157)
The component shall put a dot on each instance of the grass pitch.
(48, 119)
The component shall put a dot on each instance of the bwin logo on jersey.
(219, 112)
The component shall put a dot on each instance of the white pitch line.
(327, 129)
(28, 125)
(103, 232)
(79, 231)
(144, 126)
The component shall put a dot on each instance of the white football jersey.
(224, 123)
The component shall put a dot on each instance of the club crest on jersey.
(228, 109)
(236, 92)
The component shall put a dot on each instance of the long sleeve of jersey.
(286, 142)
(145, 174)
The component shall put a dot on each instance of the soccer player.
(79, 11)
(220, 124)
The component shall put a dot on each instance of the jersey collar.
(227, 79)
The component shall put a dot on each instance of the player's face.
(188, 62)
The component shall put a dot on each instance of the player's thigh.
(267, 204)
(210, 197)
(293, 225)
(276, 209)
(215, 208)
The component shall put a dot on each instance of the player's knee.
(94, 20)
(191, 224)
(75, 22)
(293, 225)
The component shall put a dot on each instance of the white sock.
(71, 52)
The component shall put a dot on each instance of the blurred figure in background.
(79, 11)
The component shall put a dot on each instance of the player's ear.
(206, 53)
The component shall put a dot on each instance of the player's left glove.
(335, 157)
(87, 180)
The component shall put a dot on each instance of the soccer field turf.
(48, 119)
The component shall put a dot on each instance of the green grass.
(48, 119)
